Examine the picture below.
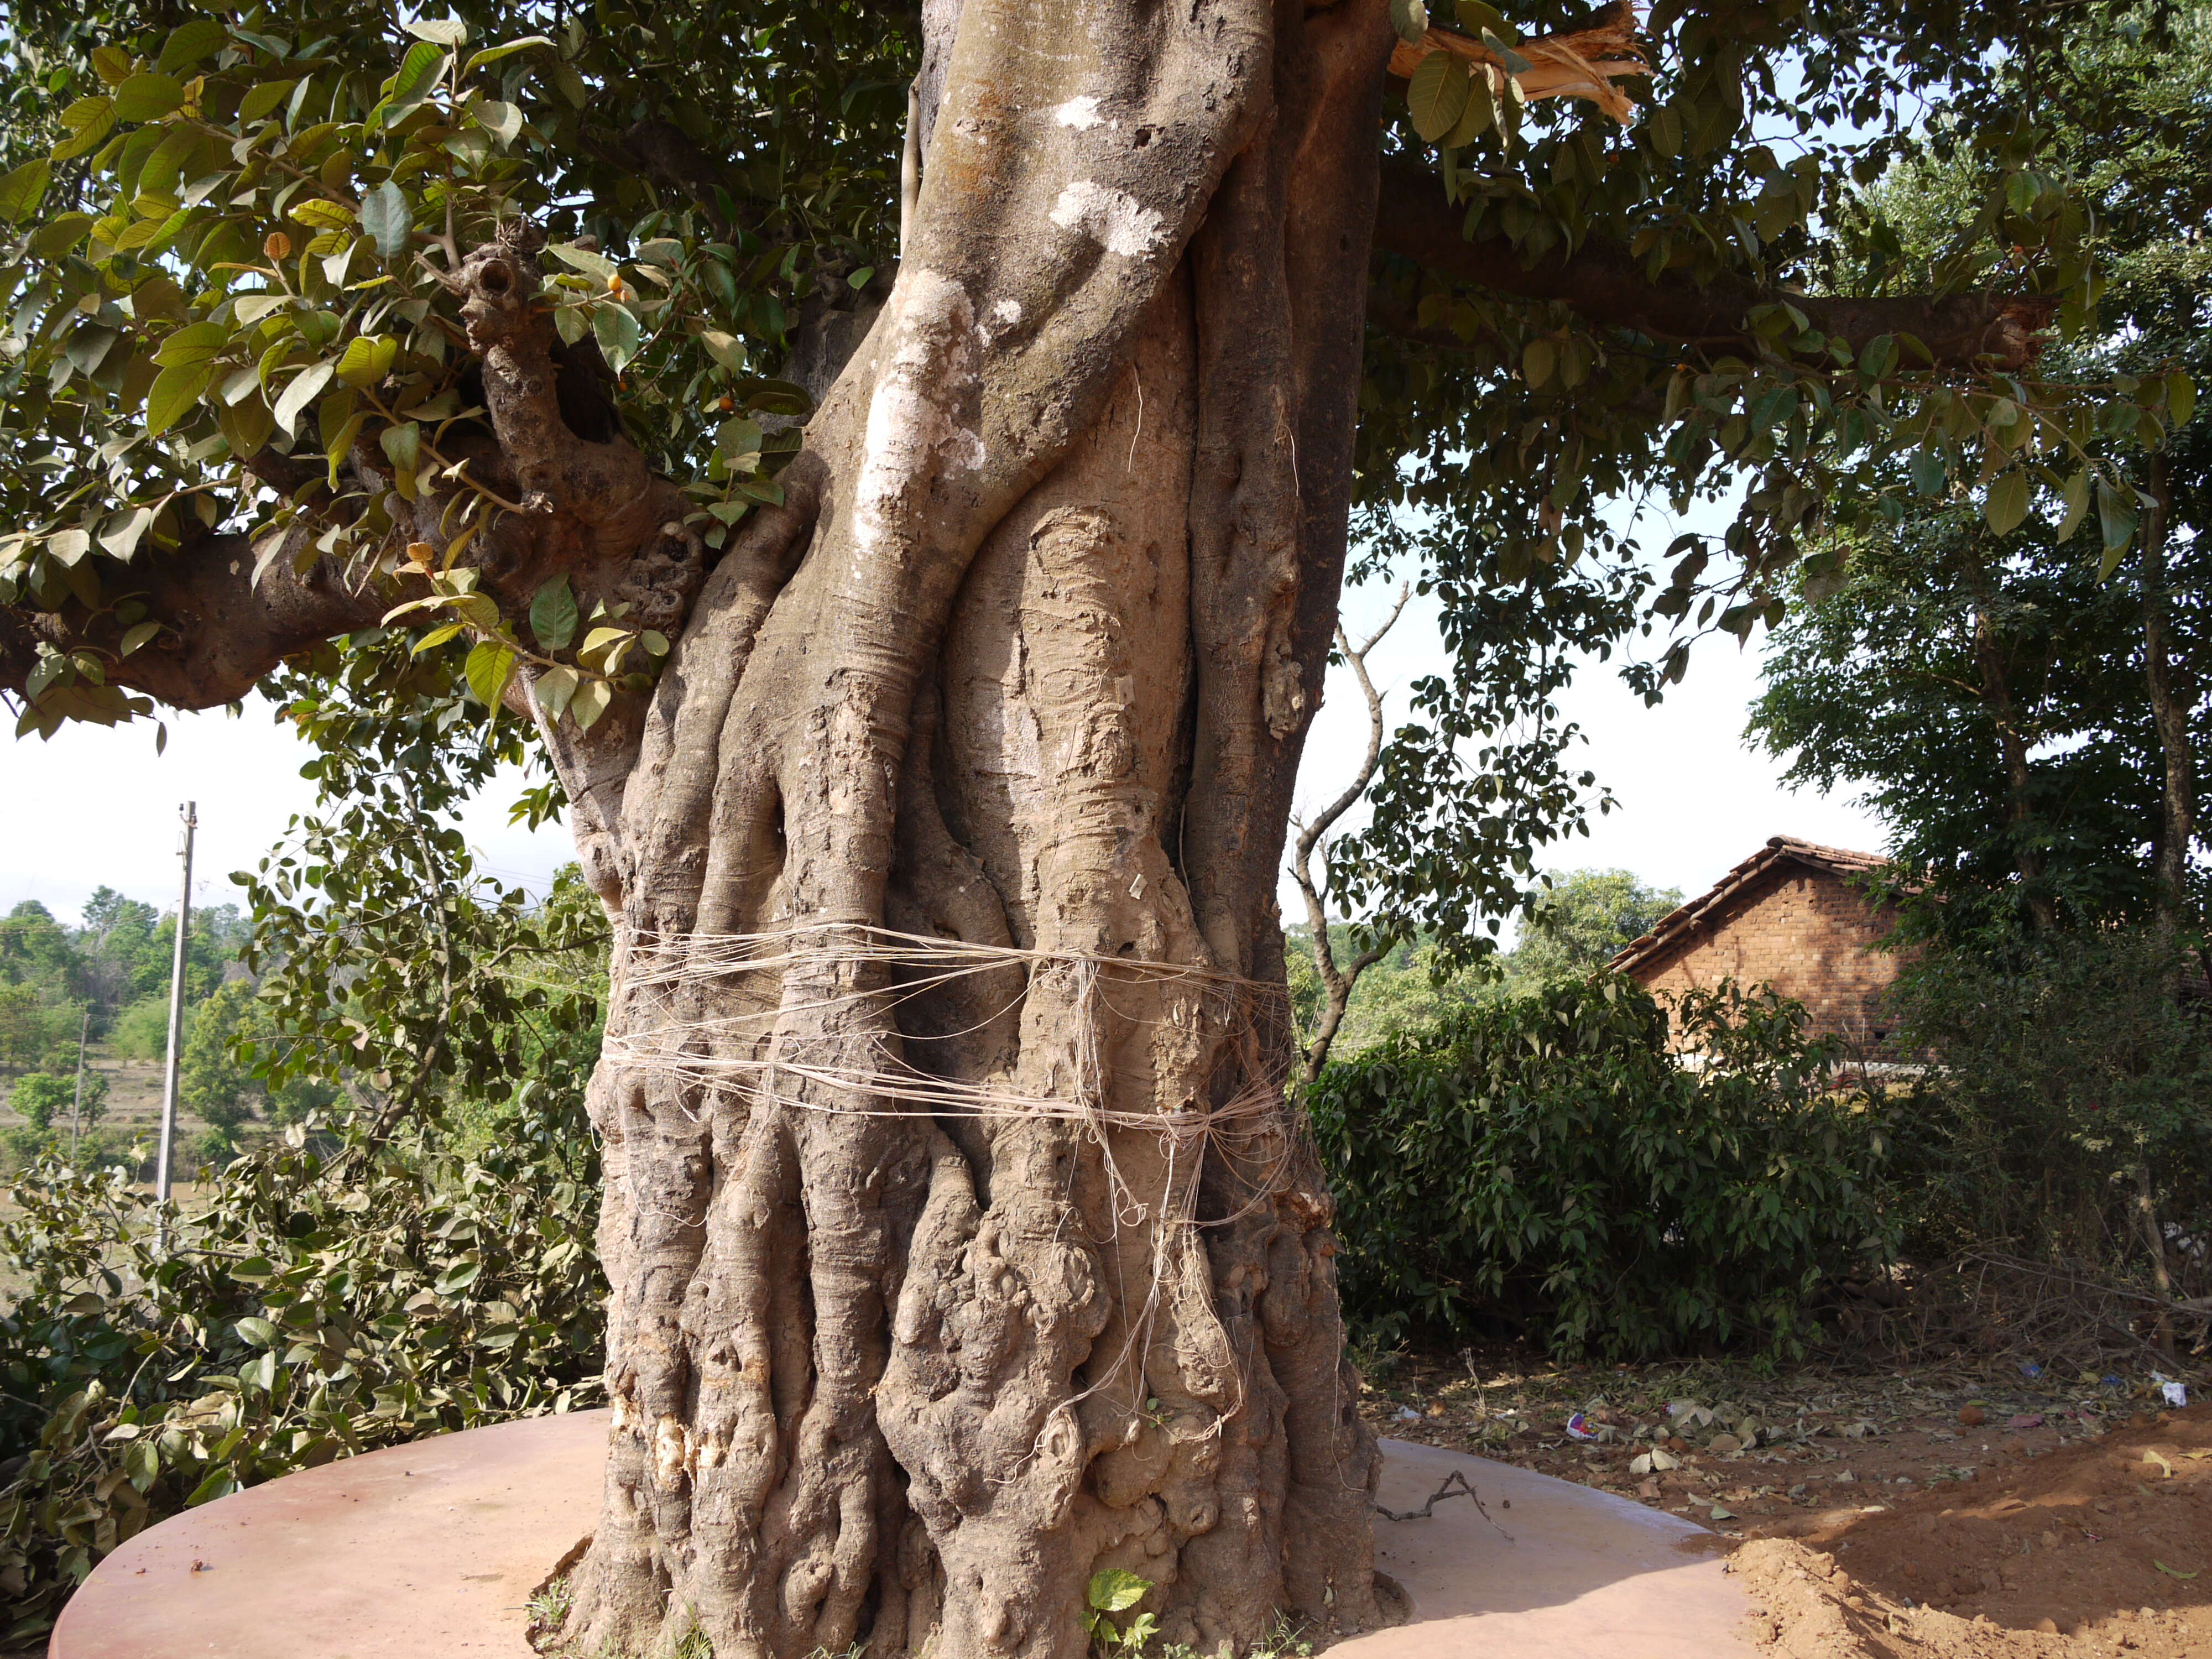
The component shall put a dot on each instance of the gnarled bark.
(1023, 667)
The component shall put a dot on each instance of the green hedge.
(304, 1310)
(1546, 1164)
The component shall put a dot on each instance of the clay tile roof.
(1778, 850)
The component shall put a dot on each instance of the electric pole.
(77, 1106)
(176, 1007)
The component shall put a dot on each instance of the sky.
(1692, 797)
(97, 807)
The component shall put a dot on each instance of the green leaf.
(175, 390)
(2006, 505)
(259, 1332)
(112, 64)
(320, 213)
(1481, 113)
(418, 73)
(725, 349)
(122, 533)
(506, 49)
(861, 278)
(89, 120)
(221, 1484)
(1115, 1590)
(2173, 1572)
(2077, 504)
(1537, 362)
(617, 329)
(137, 635)
(2180, 394)
(590, 702)
(148, 96)
(59, 234)
(297, 396)
(385, 218)
(1436, 95)
(190, 42)
(503, 121)
(447, 32)
(2116, 520)
(1929, 471)
(366, 358)
(489, 667)
(402, 445)
(436, 637)
(583, 259)
(22, 191)
(196, 342)
(553, 614)
(1411, 18)
(555, 688)
(261, 100)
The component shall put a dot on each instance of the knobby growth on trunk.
(961, 1242)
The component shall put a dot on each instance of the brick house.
(1788, 916)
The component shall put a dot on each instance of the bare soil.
(1924, 1514)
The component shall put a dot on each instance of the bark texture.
(1024, 666)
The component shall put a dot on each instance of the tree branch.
(1609, 287)
(1338, 982)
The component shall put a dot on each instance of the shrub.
(2069, 1113)
(141, 1030)
(1545, 1161)
(318, 1306)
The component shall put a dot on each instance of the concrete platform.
(433, 1549)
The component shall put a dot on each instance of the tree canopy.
(234, 354)
(2000, 696)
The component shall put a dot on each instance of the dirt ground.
(1929, 1514)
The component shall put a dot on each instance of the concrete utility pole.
(176, 1007)
(77, 1106)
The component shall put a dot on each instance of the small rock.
(2027, 1419)
(2048, 1626)
(1973, 1416)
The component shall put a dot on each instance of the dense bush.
(331, 1297)
(2068, 1114)
(1545, 1162)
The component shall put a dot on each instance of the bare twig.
(1456, 1485)
(1337, 982)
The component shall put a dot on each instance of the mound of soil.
(2103, 1546)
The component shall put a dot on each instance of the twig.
(1456, 1485)
(1339, 981)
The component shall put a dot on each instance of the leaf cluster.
(1544, 1163)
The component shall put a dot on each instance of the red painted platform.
(433, 1548)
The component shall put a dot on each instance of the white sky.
(1693, 797)
(97, 806)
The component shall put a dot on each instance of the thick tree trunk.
(962, 1244)
(2177, 829)
(2012, 740)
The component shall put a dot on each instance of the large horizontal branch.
(1609, 288)
(222, 630)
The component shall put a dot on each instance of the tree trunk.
(2177, 829)
(2012, 741)
(961, 1242)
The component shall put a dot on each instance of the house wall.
(1806, 932)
